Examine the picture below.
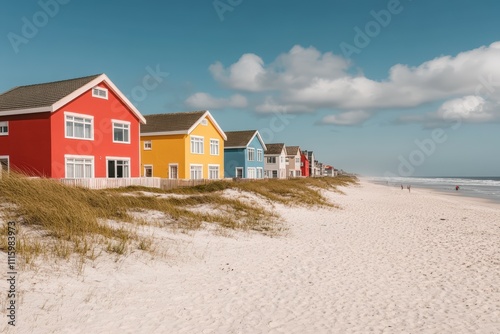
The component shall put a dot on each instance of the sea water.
(483, 187)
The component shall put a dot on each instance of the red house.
(304, 165)
(78, 128)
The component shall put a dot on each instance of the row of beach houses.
(85, 128)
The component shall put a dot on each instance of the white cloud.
(245, 75)
(467, 109)
(206, 101)
(354, 117)
(304, 80)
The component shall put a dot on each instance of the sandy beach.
(386, 261)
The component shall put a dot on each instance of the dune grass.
(58, 220)
(296, 191)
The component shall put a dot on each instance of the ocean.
(483, 187)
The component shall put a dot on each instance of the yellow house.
(185, 145)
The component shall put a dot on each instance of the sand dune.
(388, 261)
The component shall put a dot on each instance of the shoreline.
(450, 192)
(386, 261)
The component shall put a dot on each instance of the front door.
(173, 172)
(239, 172)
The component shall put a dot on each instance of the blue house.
(244, 154)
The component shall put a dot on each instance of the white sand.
(385, 262)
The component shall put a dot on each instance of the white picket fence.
(104, 183)
(151, 182)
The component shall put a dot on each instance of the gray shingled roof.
(40, 95)
(181, 121)
(274, 148)
(292, 150)
(238, 138)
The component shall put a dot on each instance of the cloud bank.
(305, 80)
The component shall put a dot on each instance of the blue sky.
(404, 87)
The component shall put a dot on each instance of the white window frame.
(260, 155)
(3, 125)
(115, 159)
(251, 173)
(196, 141)
(116, 122)
(85, 117)
(80, 157)
(191, 171)
(251, 149)
(150, 145)
(204, 122)
(214, 146)
(297, 160)
(260, 171)
(209, 172)
(105, 90)
(8, 162)
(146, 167)
(170, 171)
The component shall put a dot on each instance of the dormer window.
(100, 92)
(204, 122)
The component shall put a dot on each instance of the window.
(4, 164)
(196, 145)
(275, 174)
(148, 145)
(214, 147)
(79, 126)
(271, 160)
(251, 154)
(79, 167)
(148, 171)
(213, 171)
(4, 128)
(121, 132)
(260, 155)
(282, 159)
(173, 171)
(99, 92)
(251, 173)
(297, 161)
(118, 168)
(196, 172)
(204, 122)
(259, 173)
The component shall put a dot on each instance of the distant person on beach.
(401, 187)
(457, 187)
(409, 188)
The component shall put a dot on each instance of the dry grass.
(297, 191)
(61, 221)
